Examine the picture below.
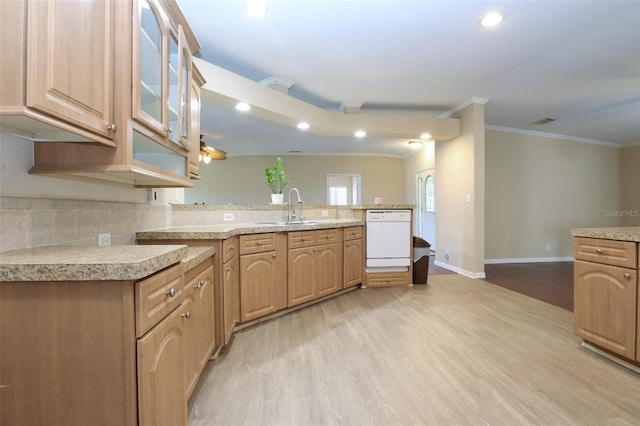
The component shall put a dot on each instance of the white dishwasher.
(388, 240)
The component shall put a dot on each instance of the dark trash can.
(420, 260)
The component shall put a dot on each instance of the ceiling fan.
(208, 153)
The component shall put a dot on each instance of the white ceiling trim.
(552, 136)
(463, 105)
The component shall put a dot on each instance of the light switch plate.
(227, 217)
(104, 239)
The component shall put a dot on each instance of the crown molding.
(552, 136)
(472, 100)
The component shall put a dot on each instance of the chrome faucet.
(292, 211)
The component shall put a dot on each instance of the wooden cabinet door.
(328, 269)
(161, 396)
(190, 342)
(70, 53)
(231, 296)
(605, 299)
(353, 262)
(204, 318)
(302, 276)
(258, 285)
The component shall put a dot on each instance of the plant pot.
(277, 198)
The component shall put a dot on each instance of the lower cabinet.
(606, 295)
(231, 287)
(605, 305)
(353, 252)
(198, 322)
(314, 265)
(161, 394)
(263, 275)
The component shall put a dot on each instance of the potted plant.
(277, 181)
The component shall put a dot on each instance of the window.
(429, 195)
(338, 195)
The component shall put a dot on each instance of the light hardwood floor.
(456, 351)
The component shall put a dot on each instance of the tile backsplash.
(30, 222)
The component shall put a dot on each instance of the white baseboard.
(528, 260)
(474, 275)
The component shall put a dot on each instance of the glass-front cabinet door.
(161, 75)
(148, 69)
(185, 91)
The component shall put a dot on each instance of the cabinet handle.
(303, 239)
(328, 236)
(627, 275)
(348, 244)
(184, 136)
(599, 250)
(112, 128)
(187, 315)
(199, 285)
(273, 255)
(169, 131)
(171, 293)
(233, 247)
(259, 243)
(228, 269)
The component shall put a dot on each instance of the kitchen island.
(606, 296)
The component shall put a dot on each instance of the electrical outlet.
(104, 239)
(227, 217)
(547, 247)
(446, 255)
(325, 213)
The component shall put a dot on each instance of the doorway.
(426, 198)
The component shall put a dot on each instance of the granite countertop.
(196, 255)
(88, 263)
(223, 231)
(627, 233)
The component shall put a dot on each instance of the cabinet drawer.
(352, 233)
(257, 243)
(327, 236)
(229, 248)
(387, 279)
(302, 239)
(609, 252)
(156, 296)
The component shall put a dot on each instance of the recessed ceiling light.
(303, 126)
(243, 106)
(415, 144)
(360, 134)
(491, 19)
(256, 8)
(425, 136)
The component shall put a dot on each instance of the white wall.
(630, 186)
(460, 172)
(241, 180)
(16, 159)
(538, 189)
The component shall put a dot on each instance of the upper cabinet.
(161, 74)
(57, 78)
(152, 97)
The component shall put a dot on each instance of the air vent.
(543, 121)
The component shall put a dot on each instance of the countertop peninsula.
(89, 263)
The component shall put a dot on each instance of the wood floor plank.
(456, 351)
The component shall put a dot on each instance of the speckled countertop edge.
(219, 232)
(88, 263)
(196, 255)
(627, 233)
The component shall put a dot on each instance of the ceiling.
(577, 62)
